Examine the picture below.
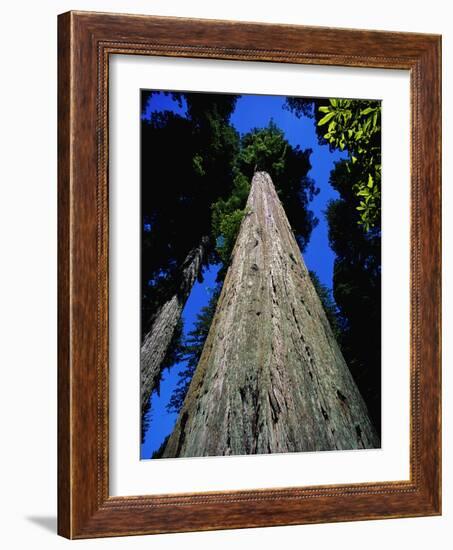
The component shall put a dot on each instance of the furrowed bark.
(271, 377)
(156, 341)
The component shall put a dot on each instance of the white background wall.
(28, 270)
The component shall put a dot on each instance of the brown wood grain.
(64, 155)
(85, 42)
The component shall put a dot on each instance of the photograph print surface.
(260, 274)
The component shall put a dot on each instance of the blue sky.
(252, 111)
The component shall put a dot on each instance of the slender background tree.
(186, 164)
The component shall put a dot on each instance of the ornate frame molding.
(86, 40)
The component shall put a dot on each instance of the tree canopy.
(357, 288)
(267, 149)
(355, 126)
(186, 164)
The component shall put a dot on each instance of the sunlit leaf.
(326, 118)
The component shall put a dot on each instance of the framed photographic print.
(249, 275)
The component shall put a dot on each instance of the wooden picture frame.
(85, 41)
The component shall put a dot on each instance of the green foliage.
(355, 125)
(198, 165)
(175, 350)
(330, 307)
(229, 228)
(227, 215)
(357, 288)
(187, 164)
(160, 451)
(266, 149)
(300, 106)
(191, 350)
(145, 421)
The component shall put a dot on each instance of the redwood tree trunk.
(156, 341)
(271, 377)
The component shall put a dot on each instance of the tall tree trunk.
(156, 341)
(271, 377)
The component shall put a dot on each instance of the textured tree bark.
(271, 377)
(156, 341)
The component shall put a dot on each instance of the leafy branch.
(355, 126)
